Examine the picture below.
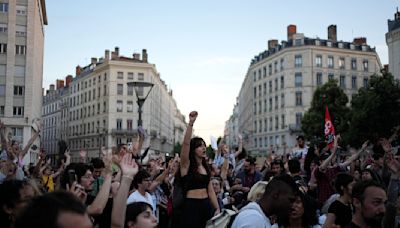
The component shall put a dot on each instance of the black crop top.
(195, 181)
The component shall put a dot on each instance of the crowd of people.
(313, 185)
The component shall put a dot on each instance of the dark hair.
(342, 180)
(97, 163)
(309, 217)
(242, 155)
(278, 162)
(251, 160)
(279, 182)
(300, 137)
(360, 187)
(139, 177)
(133, 210)
(9, 197)
(193, 167)
(294, 166)
(44, 210)
(80, 170)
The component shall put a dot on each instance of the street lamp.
(142, 90)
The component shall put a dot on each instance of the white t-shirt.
(137, 197)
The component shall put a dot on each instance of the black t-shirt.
(351, 225)
(342, 212)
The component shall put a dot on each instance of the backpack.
(222, 220)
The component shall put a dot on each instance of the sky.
(202, 49)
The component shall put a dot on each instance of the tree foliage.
(375, 110)
(314, 119)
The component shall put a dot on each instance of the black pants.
(196, 212)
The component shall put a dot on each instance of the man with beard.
(276, 201)
(249, 175)
(369, 199)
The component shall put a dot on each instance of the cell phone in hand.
(71, 177)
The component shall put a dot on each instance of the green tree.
(375, 109)
(177, 148)
(314, 119)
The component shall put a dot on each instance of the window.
(19, 90)
(129, 106)
(354, 82)
(130, 89)
(265, 105)
(255, 92)
(259, 107)
(282, 100)
(276, 102)
(298, 79)
(282, 64)
(129, 124)
(3, 28)
(140, 76)
(3, 7)
(254, 76)
(299, 117)
(119, 124)
(260, 126)
(299, 99)
(265, 141)
(18, 111)
(20, 30)
(270, 104)
(130, 75)
(298, 61)
(264, 72)
(20, 49)
(276, 66)
(105, 90)
(318, 61)
(276, 84)
(120, 75)
(270, 86)
(255, 126)
(282, 82)
(255, 108)
(3, 48)
(270, 124)
(341, 63)
(120, 89)
(2, 110)
(276, 122)
(282, 121)
(269, 69)
(2, 90)
(365, 82)
(265, 125)
(330, 62)
(342, 82)
(265, 88)
(105, 76)
(119, 106)
(259, 74)
(365, 65)
(3, 69)
(331, 76)
(255, 142)
(354, 64)
(20, 71)
(140, 91)
(319, 78)
(259, 90)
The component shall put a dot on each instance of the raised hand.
(78, 191)
(364, 145)
(192, 117)
(108, 160)
(392, 163)
(387, 147)
(128, 166)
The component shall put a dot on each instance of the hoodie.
(251, 216)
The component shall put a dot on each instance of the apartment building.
(21, 67)
(393, 43)
(281, 81)
(100, 107)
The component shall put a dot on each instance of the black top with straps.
(195, 181)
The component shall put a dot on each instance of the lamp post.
(142, 90)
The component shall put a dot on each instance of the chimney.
(360, 41)
(94, 61)
(59, 84)
(144, 55)
(291, 30)
(107, 55)
(116, 50)
(113, 55)
(332, 34)
(397, 15)
(78, 70)
(272, 44)
(68, 80)
(52, 87)
(136, 56)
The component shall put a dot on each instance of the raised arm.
(355, 155)
(31, 140)
(161, 177)
(101, 199)
(240, 149)
(184, 165)
(129, 169)
(327, 161)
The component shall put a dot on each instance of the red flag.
(329, 129)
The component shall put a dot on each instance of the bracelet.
(191, 124)
(130, 178)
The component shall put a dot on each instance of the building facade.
(21, 67)
(231, 130)
(280, 83)
(100, 107)
(393, 43)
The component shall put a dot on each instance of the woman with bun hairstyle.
(200, 201)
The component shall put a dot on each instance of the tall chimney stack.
(291, 30)
(59, 84)
(93, 61)
(144, 55)
(68, 80)
(107, 55)
(332, 33)
(272, 44)
(78, 70)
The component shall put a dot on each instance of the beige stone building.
(101, 110)
(21, 67)
(280, 83)
(393, 42)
